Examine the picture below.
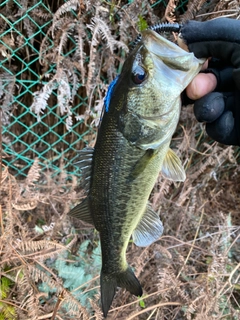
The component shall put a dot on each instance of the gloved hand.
(219, 39)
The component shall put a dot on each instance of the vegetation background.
(49, 264)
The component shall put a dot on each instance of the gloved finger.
(223, 129)
(214, 38)
(224, 78)
(219, 38)
(210, 107)
(221, 112)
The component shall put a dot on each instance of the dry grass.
(192, 272)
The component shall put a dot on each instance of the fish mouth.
(170, 53)
(159, 45)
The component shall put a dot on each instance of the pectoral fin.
(172, 168)
(149, 229)
(141, 165)
(82, 212)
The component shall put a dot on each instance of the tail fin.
(109, 283)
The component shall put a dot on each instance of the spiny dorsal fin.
(149, 229)
(84, 163)
(172, 168)
(82, 211)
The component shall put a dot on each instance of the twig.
(159, 305)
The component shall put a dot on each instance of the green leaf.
(142, 23)
(38, 230)
(142, 303)
(4, 287)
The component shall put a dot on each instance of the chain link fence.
(23, 26)
(23, 137)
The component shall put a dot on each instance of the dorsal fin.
(82, 211)
(85, 157)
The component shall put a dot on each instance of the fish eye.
(139, 75)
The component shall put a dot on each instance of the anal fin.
(149, 229)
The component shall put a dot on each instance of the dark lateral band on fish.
(142, 109)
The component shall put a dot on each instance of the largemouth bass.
(142, 110)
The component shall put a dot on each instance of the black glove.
(220, 39)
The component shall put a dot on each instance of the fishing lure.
(159, 28)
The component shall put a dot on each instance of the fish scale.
(142, 110)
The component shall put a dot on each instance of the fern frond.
(33, 174)
(30, 300)
(193, 202)
(5, 287)
(7, 312)
(80, 54)
(66, 7)
(64, 93)
(35, 246)
(64, 34)
(98, 312)
(75, 84)
(74, 306)
(66, 25)
(41, 13)
(45, 47)
(4, 174)
(170, 11)
(99, 26)
(226, 154)
(25, 205)
(193, 7)
(161, 189)
(27, 198)
(41, 97)
(30, 29)
(7, 88)
(39, 275)
(209, 162)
